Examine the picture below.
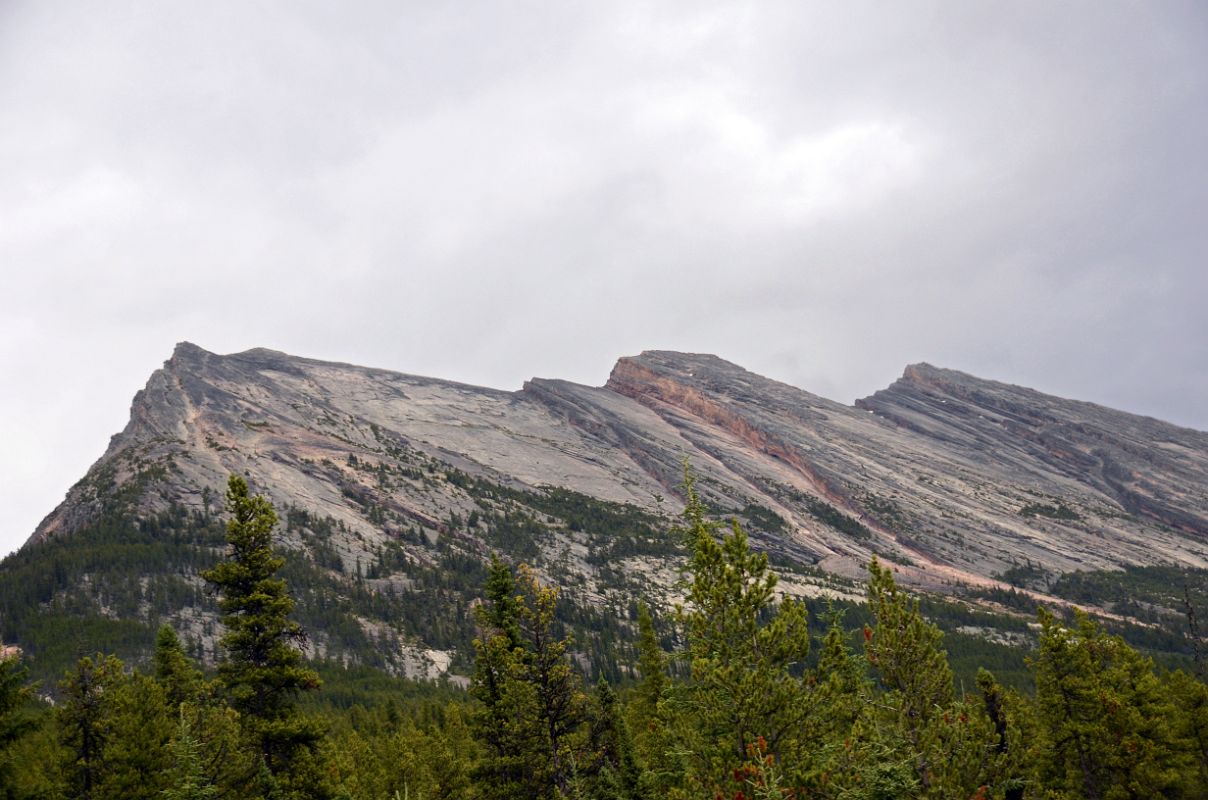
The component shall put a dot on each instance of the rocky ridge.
(937, 467)
(954, 478)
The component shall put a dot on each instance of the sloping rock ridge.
(938, 466)
(954, 478)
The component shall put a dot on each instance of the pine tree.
(614, 769)
(747, 652)
(1190, 697)
(262, 671)
(85, 721)
(116, 731)
(138, 756)
(14, 722)
(950, 744)
(531, 706)
(649, 717)
(904, 649)
(207, 757)
(652, 663)
(1106, 718)
(1002, 709)
(842, 763)
(180, 679)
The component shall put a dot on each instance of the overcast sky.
(820, 192)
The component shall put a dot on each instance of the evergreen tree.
(505, 715)
(39, 765)
(842, 763)
(1190, 697)
(1105, 716)
(175, 672)
(950, 745)
(207, 757)
(616, 773)
(655, 740)
(904, 649)
(746, 651)
(138, 756)
(652, 663)
(531, 706)
(187, 779)
(1002, 708)
(85, 721)
(262, 671)
(116, 731)
(15, 694)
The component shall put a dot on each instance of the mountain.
(394, 490)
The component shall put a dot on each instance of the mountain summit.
(387, 481)
(936, 468)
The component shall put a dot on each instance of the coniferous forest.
(737, 693)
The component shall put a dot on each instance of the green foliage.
(15, 716)
(652, 662)
(612, 768)
(262, 671)
(176, 674)
(59, 598)
(86, 721)
(1027, 575)
(116, 728)
(747, 652)
(904, 649)
(918, 720)
(1190, 697)
(531, 707)
(743, 703)
(1105, 717)
(765, 519)
(377, 754)
(829, 515)
(888, 724)
(187, 779)
(1133, 589)
(1007, 713)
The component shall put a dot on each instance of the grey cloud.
(821, 193)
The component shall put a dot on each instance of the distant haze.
(822, 193)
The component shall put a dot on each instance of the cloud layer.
(822, 193)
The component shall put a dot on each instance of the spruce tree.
(262, 671)
(180, 679)
(746, 650)
(187, 778)
(116, 731)
(531, 705)
(1109, 724)
(615, 771)
(950, 744)
(85, 721)
(15, 693)
(652, 663)
(654, 739)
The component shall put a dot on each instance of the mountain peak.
(187, 352)
(378, 474)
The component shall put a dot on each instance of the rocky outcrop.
(955, 477)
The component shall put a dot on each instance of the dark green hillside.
(109, 586)
(741, 692)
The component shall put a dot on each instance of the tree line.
(737, 709)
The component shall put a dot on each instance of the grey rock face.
(955, 477)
